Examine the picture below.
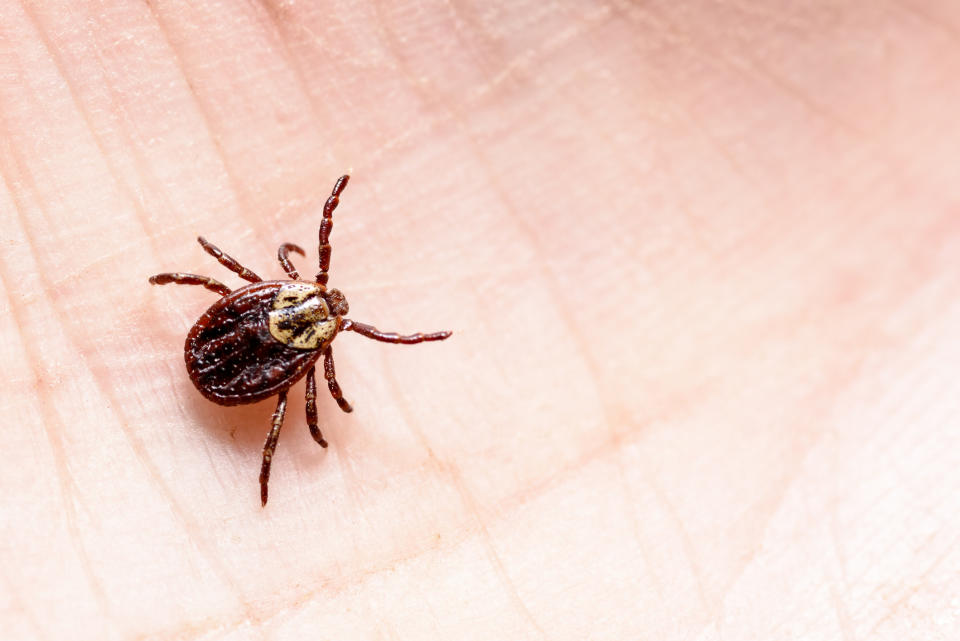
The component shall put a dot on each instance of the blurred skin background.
(702, 265)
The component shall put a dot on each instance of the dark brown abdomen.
(231, 356)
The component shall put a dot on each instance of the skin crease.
(702, 265)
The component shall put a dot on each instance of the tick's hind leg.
(283, 255)
(190, 279)
(330, 374)
(228, 262)
(311, 398)
(271, 445)
(392, 337)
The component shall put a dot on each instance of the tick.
(257, 341)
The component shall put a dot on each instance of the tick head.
(337, 302)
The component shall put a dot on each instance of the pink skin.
(702, 262)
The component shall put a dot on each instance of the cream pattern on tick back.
(300, 318)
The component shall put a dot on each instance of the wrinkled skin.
(702, 262)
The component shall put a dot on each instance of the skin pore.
(701, 265)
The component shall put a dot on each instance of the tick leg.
(228, 262)
(331, 376)
(191, 279)
(312, 407)
(271, 445)
(284, 258)
(391, 337)
(326, 225)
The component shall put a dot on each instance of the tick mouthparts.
(337, 302)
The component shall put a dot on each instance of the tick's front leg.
(392, 337)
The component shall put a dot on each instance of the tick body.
(257, 341)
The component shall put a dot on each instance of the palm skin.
(701, 266)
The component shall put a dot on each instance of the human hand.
(701, 266)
